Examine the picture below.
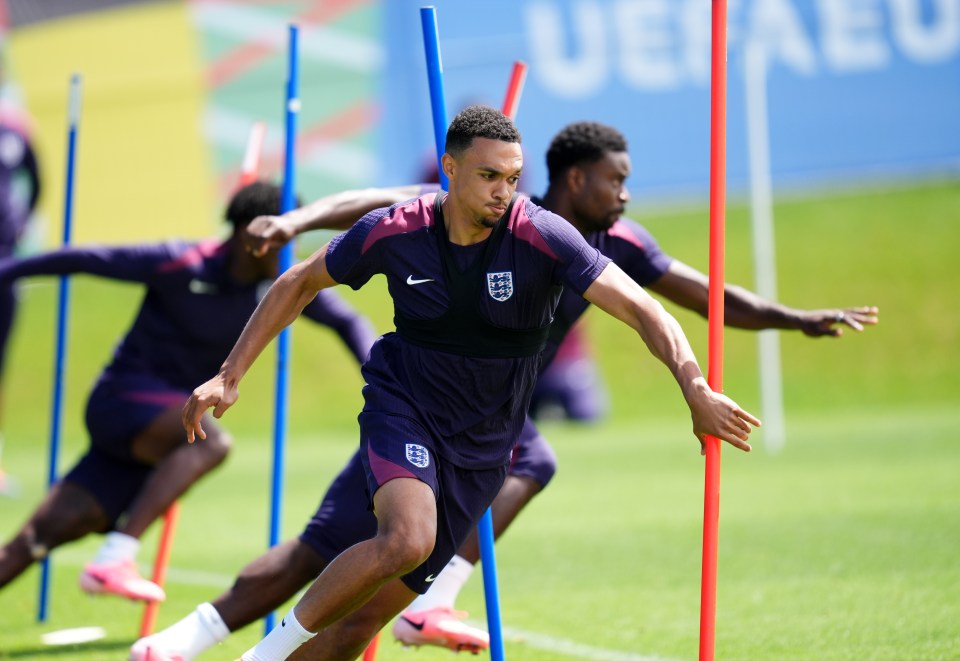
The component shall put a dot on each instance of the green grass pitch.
(843, 546)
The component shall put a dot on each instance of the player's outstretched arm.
(686, 286)
(333, 212)
(713, 414)
(281, 305)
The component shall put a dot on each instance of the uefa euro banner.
(854, 89)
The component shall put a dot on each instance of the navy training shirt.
(473, 407)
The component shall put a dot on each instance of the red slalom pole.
(514, 88)
(370, 653)
(160, 567)
(251, 157)
(711, 494)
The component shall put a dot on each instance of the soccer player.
(475, 276)
(139, 462)
(586, 161)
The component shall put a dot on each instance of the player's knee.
(216, 446)
(42, 535)
(539, 467)
(545, 468)
(407, 545)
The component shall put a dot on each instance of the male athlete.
(475, 276)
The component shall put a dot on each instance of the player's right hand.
(266, 232)
(715, 414)
(217, 393)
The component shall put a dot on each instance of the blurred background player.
(138, 462)
(19, 192)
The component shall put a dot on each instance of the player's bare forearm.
(745, 309)
(334, 212)
(689, 288)
(341, 210)
(712, 413)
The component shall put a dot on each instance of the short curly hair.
(479, 122)
(261, 198)
(579, 142)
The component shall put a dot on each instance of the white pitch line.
(531, 639)
(572, 648)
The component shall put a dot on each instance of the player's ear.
(449, 165)
(576, 178)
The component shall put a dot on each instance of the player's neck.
(243, 267)
(559, 204)
(461, 229)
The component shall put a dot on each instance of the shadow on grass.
(66, 650)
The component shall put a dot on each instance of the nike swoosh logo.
(283, 622)
(430, 579)
(411, 281)
(418, 627)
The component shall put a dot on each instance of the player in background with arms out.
(138, 462)
(474, 276)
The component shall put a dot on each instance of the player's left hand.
(830, 322)
(217, 393)
(266, 232)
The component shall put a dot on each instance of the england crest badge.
(500, 285)
(418, 455)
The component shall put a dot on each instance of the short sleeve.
(635, 250)
(349, 261)
(578, 263)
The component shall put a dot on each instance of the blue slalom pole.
(287, 203)
(438, 106)
(491, 591)
(63, 309)
(438, 101)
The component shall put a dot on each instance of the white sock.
(194, 634)
(446, 588)
(280, 643)
(117, 547)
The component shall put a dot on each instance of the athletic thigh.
(68, 512)
(345, 516)
(112, 482)
(118, 410)
(121, 407)
(395, 446)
